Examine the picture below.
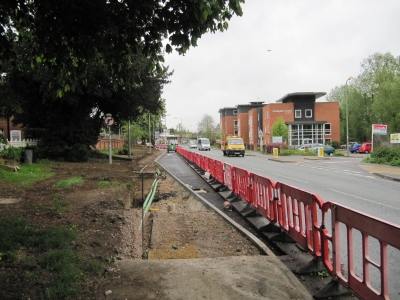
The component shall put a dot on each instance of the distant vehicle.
(172, 145)
(354, 148)
(366, 148)
(192, 145)
(350, 144)
(233, 145)
(203, 144)
(327, 149)
(309, 146)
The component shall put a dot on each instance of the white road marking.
(361, 198)
(293, 179)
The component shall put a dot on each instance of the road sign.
(379, 129)
(109, 121)
(395, 138)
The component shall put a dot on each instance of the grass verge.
(59, 271)
(28, 174)
(69, 182)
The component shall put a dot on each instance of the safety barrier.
(242, 186)
(296, 211)
(264, 197)
(298, 216)
(386, 233)
(229, 176)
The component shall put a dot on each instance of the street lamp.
(347, 116)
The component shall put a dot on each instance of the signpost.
(395, 138)
(109, 121)
(380, 129)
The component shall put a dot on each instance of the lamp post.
(347, 116)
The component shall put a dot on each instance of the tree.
(206, 126)
(74, 122)
(279, 128)
(67, 37)
(372, 97)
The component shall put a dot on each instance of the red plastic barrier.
(242, 186)
(229, 176)
(297, 215)
(387, 233)
(211, 167)
(264, 197)
(219, 171)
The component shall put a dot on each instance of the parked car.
(354, 148)
(327, 149)
(309, 146)
(365, 147)
(350, 144)
(192, 145)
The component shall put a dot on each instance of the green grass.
(102, 184)
(69, 182)
(48, 250)
(28, 174)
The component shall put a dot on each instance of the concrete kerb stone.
(387, 176)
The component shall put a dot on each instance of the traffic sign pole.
(109, 121)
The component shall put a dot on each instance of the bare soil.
(109, 221)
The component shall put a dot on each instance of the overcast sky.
(315, 46)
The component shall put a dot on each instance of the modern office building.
(309, 121)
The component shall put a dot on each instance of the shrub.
(269, 147)
(12, 153)
(335, 144)
(385, 155)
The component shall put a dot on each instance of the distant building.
(309, 121)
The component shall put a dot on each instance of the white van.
(203, 144)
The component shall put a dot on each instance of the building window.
(267, 114)
(327, 128)
(15, 135)
(235, 132)
(250, 121)
(235, 112)
(297, 113)
(235, 124)
(308, 113)
(268, 129)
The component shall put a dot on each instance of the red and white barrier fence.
(296, 211)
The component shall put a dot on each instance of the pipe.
(149, 200)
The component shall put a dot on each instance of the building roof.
(225, 108)
(316, 94)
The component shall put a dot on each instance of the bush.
(12, 153)
(385, 155)
(335, 144)
(269, 147)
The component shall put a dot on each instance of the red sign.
(379, 129)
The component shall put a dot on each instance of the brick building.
(9, 131)
(309, 121)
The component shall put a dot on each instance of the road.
(341, 180)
